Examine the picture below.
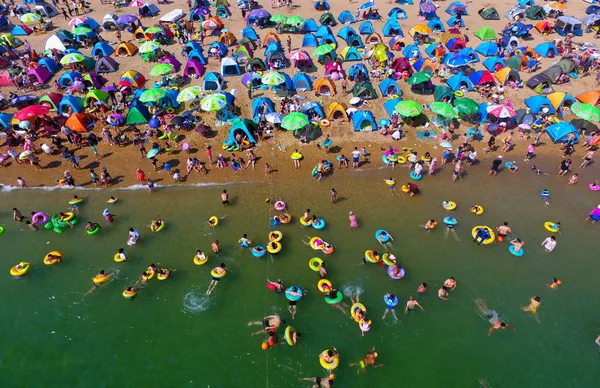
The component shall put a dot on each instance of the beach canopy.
(559, 132)
(294, 121)
(408, 108)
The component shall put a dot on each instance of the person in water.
(225, 197)
(329, 356)
(422, 289)
(503, 230)
(220, 270)
(430, 224)
(156, 224)
(269, 323)
(549, 243)
(352, 219)
(554, 283)
(122, 254)
(370, 359)
(534, 303)
(306, 217)
(294, 292)
(134, 236)
(443, 293)
(17, 216)
(293, 337)
(325, 382)
(277, 286)
(73, 207)
(450, 283)
(215, 247)
(107, 216)
(90, 227)
(332, 295)
(492, 317)
(384, 235)
(244, 241)
(482, 235)
(517, 244)
(411, 304)
(322, 270)
(390, 307)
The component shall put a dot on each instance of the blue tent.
(229, 67)
(397, 13)
(171, 97)
(18, 30)
(286, 85)
(198, 56)
(310, 25)
(67, 79)
(102, 49)
(366, 28)
(312, 108)
(430, 50)
(355, 69)
(355, 41)
(536, 103)
(454, 20)
(346, 17)
(456, 7)
(411, 51)
(525, 3)
(455, 82)
(494, 64)
(389, 87)
(328, 39)
(90, 23)
(488, 49)
(436, 25)
(49, 64)
(195, 46)
(245, 126)
(247, 32)
(219, 47)
(469, 53)
(418, 65)
(546, 49)
(72, 102)
(273, 47)
(323, 31)
(346, 32)
(213, 81)
(390, 106)
(149, 9)
(364, 121)
(301, 82)
(392, 28)
(5, 120)
(309, 40)
(322, 5)
(258, 107)
(351, 54)
(559, 132)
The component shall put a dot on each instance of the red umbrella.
(32, 111)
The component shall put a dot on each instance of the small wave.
(195, 302)
(352, 290)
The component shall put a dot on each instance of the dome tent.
(213, 81)
(229, 67)
(364, 121)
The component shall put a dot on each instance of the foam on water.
(351, 290)
(195, 302)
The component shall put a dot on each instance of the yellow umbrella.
(556, 6)
(422, 29)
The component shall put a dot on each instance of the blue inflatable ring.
(379, 233)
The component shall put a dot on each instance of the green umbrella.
(272, 78)
(278, 18)
(213, 102)
(30, 18)
(162, 69)
(409, 108)
(153, 95)
(153, 30)
(419, 77)
(466, 106)
(294, 20)
(148, 47)
(81, 31)
(586, 111)
(322, 50)
(190, 93)
(294, 120)
(72, 58)
(442, 109)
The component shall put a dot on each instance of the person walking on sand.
(355, 157)
(411, 304)
(141, 176)
(534, 303)
(492, 317)
(457, 170)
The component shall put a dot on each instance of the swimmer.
(270, 322)
(518, 244)
(225, 197)
(391, 184)
(112, 199)
(422, 288)
(294, 337)
(325, 382)
(549, 243)
(598, 341)
(538, 171)
(73, 207)
(244, 241)
(101, 275)
(450, 229)
(220, 270)
(333, 195)
(430, 224)
(450, 283)
(134, 236)
(215, 247)
(352, 219)
(329, 356)
(375, 254)
(546, 197)
(389, 308)
(384, 235)
(503, 230)
(411, 304)
(90, 227)
(322, 270)
(306, 217)
(492, 317)
(31, 225)
(107, 216)
(154, 225)
(370, 359)
(122, 254)
(276, 286)
(554, 283)
(482, 235)
(293, 304)
(17, 216)
(201, 255)
(443, 293)
(573, 179)
(332, 295)
(534, 303)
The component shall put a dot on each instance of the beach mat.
(431, 132)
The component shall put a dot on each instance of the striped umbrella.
(77, 21)
(213, 102)
(148, 47)
(272, 78)
(190, 93)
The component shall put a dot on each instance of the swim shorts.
(293, 302)
(491, 316)
(226, 202)
(216, 279)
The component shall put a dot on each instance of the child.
(363, 153)
(555, 283)
(94, 178)
(244, 242)
(445, 156)
(267, 168)
(530, 150)
(538, 171)
(573, 179)
(546, 197)
(21, 182)
(176, 176)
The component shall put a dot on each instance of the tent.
(70, 104)
(346, 17)
(148, 9)
(193, 68)
(262, 105)
(329, 39)
(539, 104)
(392, 28)
(489, 14)
(540, 83)
(126, 49)
(51, 100)
(337, 111)
(451, 33)
(592, 98)
(4, 79)
(459, 81)
(366, 28)
(102, 49)
(346, 32)
(309, 40)
(95, 95)
(355, 41)
(364, 121)
(244, 53)
(515, 14)
(256, 64)
(560, 99)
(106, 65)
(507, 75)
(227, 38)
(81, 122)
(222, 12)
(443, 93)
(390, 106)
(454, 22)
(364, 90)
(398, 43)
(350, 54)
(488, 49)
(67, 79)
(546, 49)
(481, 77)
(456, 44)
(197, 56)
(10, 41)
(397, 13)
(559, 132)
(229, 67)
(470, 53)
(301, 82)
(310, 25)
(535, 12)
(269, 38)
(374, 38)
(137, 114)
(41, 75)
(456, 8)
(389, 87)
(45, 10)
(436, 26)
(109, 23)
(486, 33)
(246, 127)
(553, 73)
(322, 31)
(568, 24)
(424, 64)
(327, 19)
(324, 87)
(21, 30)
(249, 33)
(218, 47)
(312, 109)
(213, 81)
(139, 33)
(517, 62)
(48, 64)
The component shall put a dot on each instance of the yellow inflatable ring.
(285, 218)
(69, 216)
(129, 294)
(213, 221)
(518, 52)
(296, 156)
(216, 275)
(477, 210)
(305, 223)
(401, 160)
(551, 227)
(458, 93)
(118, 259)
(325, 123)
(150, 276)
(321, 286)
(157, 229)
(313, 243)
(277, 248)
(333, 365)
(170, 110)
(275, 236)
(491, 232)
(407, 149)
(393, 96)
(386, 259)
(160, 276)
(404, 189)
(289, 332)
(103, 279)
(199, 261)
(22, 271)
(48, 261)
(449, 205)
(314, 263)
(371, 257)
(354, 310)
(390, 182)
(426, 160)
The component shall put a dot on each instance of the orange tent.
(81, 122)
(591, 98)
(544, 27)
(373, 39)
(337, 111)
(270, 37)
(324, 87)
(125, 49)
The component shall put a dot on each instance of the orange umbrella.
(591, 98)
(556, 6)
(80, 122)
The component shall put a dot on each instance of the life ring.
(401, 160)
(386, 160)
(415, 177)
(39, 218)
(163, 276)
(390, 182)
(490, 231)
(293, 298)
(388, 259)
(199, 261)
(288, 335)
(329, 366)
(426, 160)
(371, 257)
(405, 189)
(326, 143)
(258, 251)
(594, 187)
(511, 249)
(75, 201)
(161, 227)
(400, 275)
(394, 96)
(20, 272)
(276, 249)
(384, 239)
(390, 302)
(327, 249)
(93, 231)
(477, 210)
(316, 243)
(518, 52)
(275, 236)
(33, 65)
(338, 298)
(213, 221)
(1, 229)
(449, 220)
(217, 275)
(99, 280)
(169, 116)
(355, 309)
(325, 123)
(129, 294)
(112, 200)
(324, 286)
(170, 110)
(56, 254)
(280, 206)
(117, 257)
(296, 156)
(449, 205)
(315, 263)
(458, 93)
(305, 223)
(318, 224)
(244, 243)
(551, 227)
(285, 218)
(573, 75)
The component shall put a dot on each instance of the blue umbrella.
(127, 18)
(367, 5)
(458, 61)
(428, 7)
(24, 98)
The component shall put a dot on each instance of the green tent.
(137, 114)
(486, 33)
(10, 41)
(327, 18)
(380, 52)
(535, 12)
(222, 2)
(364, 90)
(514, 62)
(442, 92)
(489, 14)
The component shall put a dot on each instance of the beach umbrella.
(367, 5)
(278, 18)
(294, 120)
(419, 77)
(153, 30)
(210, 25)
(408, 108)
(501, 110)
(152, 153)
(30, 18)
(115, 119)
(322, 50)
(127, 18)
(427, 7)
(298, 55)
(23, 99)
(458, 61)
(294, 20)
(555, 6)
(72, 58)
(586, 111)
(422, 29)
(31, 111)
(466, 106)
(152, 95)
(272, 78)
(442, 109)
(162, 69)
(78, 20)
(274, 117)
(190, 93)
(136, 3)
(148, 47)
(81, 30)
(213, 102)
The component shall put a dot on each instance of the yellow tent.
(126, 49)
(337, 111)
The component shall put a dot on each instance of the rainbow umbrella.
(148, 47)
(272, 78)
(191, 93)
(294, 120)
(72, 58)
(136, 3)
(409, 108)
(30, 18)
(442, 109)
(586, 111)
(78, 20)
(153, 95)
(298, 55)
(162, 69)
(31, 111)
(132, 78)
(213, 102)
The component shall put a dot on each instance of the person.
(492, 317)
(546, 197)
(495, 165)
(517, 244)
(33, 227)
(390, 307)
(457, 170)
(549, 243)
(293, 304)
(422, 288)
(21, 182)
(512, 166)
(430, 224)
(450, 283)
(306, 217)
(384, 235)
(503, 230)
(370, 359)
(530, 151)
(554, 283)
(565, 165)
(90, 227)
(270, 322)
(275, 286)
(443, 293)
(482, 235)
(332, 295)
(329, 356)
(573, 179)
(17, 216)
(411, 304)
(538, 171)
(215, 247)
(392, 184)
(325, 382)
(225, 197)
(587, 159)
(220, 270)
(122, 254)
(333, 195)
(155, 225)
(355, 157)
(534, 303)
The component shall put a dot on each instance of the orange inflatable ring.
(34, 65)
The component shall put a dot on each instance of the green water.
(171, 334)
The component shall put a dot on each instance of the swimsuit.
(491, 316)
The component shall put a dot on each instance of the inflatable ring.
(386, 161)
(371, 257)
(291, 297)
(518, 52)
(280, 206)
(305, 223)
(325, 123)
(275, 236)
(213, 221)
(401, 160)
(49, 261)
(393, 96)
(161, 227)
(258, 251)
(150, 276)
(117, 257)
(551, 227)
(163, 276)
(315, 263)
(97, 281)
(75, 201)
(93, 231)
(490, 231)
(415, 177)
(458, 93)
(244, 244)
(384, 239)
(69, 216)
(326, 143)
(129, 294)
(407, 149)
(426, 160)
(277, 248)
(390, 182)
(324, 285)
(511, 249)
(338, 298)
(285, 218)
(199, 261)
(356, 307)
(449, 205)
(39, 218)
(329, 366)
(288, 335)
(296, 156)
(326, 250)
(449, 220)
(318, 224)
(169, 116)
(391, 302)
(170, 110)
(510, 165)
(1, 229)
(15, 272)
(405, 189)
(477, 209)
(400, 274)
(112, 200)
(216, 275)
(387, 259)
(594, 187)
(316, 243)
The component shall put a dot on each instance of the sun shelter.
(309, 40)
(51, 100)
(262, 106)
(364, 121)
(256, 64)
(67, 79)
(69, 105)
(535, 12)
(244, 127)
(126, 49)
(389, 87)
(488, 49)
(49, 64)
(94, 96)
(436, 26)
(213, 81)
(350, 54)
(539, 104)
(346, 17)
(424, 64)
(540, 83)
(364, 90)
(102, 49)
(546, 49)
(366, 28)
(507, 75)
(337, 111)
(489, 14)
(148, 9)
(229, 67)
(459, 81)
(21, 30)
(346, 32)
(302, 82)
(560, 132)
(197, 56)
(81, 122)
(568, 24)
(324, 87)
(41, 75)
(109, 23)
(310, 25)
(137, 114)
